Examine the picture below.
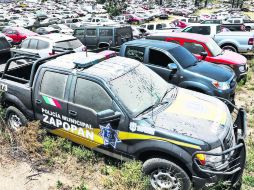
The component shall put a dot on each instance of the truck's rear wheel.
(166, 175)
(15, 118)
(229, 48)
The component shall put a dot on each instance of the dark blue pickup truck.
(178, 66)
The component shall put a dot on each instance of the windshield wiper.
(165, 94)
(151, 107)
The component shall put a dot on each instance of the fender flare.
(13, 100)
(195, 85)
(174, 152)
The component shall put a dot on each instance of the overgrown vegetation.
(47, 153)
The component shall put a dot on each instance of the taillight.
(251, 41)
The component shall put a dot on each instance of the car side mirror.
(172, 66)
(203, 54)
(108, 116)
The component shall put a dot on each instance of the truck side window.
(194, 48)
(163, 60)
(205, 30)
(33, 44)
(91, 95)
(136, 53)
(53, 84)
(80, 32)
(106, 32)
(150, 27)
(91, 32)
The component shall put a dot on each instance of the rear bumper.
(234, 157)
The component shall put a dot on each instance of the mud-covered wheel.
(15, 118)
(166, 175)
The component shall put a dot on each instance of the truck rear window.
(75, 43)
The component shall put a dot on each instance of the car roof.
(107, 70)
(55, 37)
(153, 43)
(185, 35)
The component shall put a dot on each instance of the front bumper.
(241, 75)
(234, 157)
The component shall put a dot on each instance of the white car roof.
(55, 37)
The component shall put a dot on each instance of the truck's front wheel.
(15, 118)
(166, 175)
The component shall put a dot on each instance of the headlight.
(210, 160)
(214, 160)
(221, 85)
(242, 69)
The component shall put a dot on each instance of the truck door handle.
(72, 113)
(38, 102)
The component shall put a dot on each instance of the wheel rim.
(14, 122)
(162, 179)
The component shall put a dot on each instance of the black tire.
(248, 28)
(15, 115)
(165, 175)
(230, 48)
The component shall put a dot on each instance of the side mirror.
(203, 54)
(108, 116)
(172, 66)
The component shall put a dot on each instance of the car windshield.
(74, 43)
(139, 89)
(183, 56)
(213, 47)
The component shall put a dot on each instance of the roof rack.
(87, 62)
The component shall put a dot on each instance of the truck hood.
(212, 71)
(194, 115)
(232, 58)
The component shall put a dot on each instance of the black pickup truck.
(121, 108)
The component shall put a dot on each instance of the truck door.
(160, 66)
(89, 98)
(91, 39)
(50, 100)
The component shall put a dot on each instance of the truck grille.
(233, 83)
(228, 141)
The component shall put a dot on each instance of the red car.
(204, 47)
(18, 34)
(179, 23)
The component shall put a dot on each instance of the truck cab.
(121, 108)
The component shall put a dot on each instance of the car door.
(50, 100)
(88, 98)
(160, 66)
(91, 39)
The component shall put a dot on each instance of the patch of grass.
(249, 180)
(83, 154)
(59, 184)
(129, 176)
(82, 186)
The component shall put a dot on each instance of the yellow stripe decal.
(122, 136)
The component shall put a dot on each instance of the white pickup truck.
(249, 24)
(241, 42)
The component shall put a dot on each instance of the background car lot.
(244, 93)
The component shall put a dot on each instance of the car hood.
(233, 58)
(193, 115)
(212, 71)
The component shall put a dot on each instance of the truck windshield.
(183, 56)
(139, 89)
(214, 48)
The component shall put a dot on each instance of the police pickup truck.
(121, 108)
